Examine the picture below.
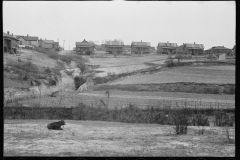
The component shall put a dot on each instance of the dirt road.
(96, 138)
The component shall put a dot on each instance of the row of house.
(35, 41)
(145, 47)
(114, 47)
(19, 40)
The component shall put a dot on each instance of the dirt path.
(96, 138)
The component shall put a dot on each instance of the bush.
(82, 66)
(41, 50)
(79, 81)
(223, 119)
(169, 62)
(66, 58)
(179, 57)
(181, 118)
(54, 55)
(29, 67)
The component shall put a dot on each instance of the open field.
(123, 64)
(197, 74)
(97, 138)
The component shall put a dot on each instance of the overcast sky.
(208, 23)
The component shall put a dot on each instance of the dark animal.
(56, 125)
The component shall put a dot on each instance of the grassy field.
(123, 64)
(202, 74)
(96, 138)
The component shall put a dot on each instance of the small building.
(166, 48)
(114, 47)
(10, 43)
(28, 40)
(189, 48)
(46, 43)
(140, 47)
(85, 47)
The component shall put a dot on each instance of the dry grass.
(94, 138)
(215, 74)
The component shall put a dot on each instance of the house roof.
(28, 38)
(195, 46)
(48, 41)
(10, 36)
(114, 43)
(167, 44)
(141, 44)
(84, 43)
(220, 47)
(208, 49)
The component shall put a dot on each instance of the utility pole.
(63, 44)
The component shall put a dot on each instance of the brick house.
(114, 47)
(166, 48)
(46, 43)
(28, 40)
(140, 47)
(85, 47)
(10, 43)
(189, 48)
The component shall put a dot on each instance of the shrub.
(79, 81)
(28, 67)
(181, 119)
(179, 57)
(169, 62)
(40, 49)
(66, 58)
(189, 56)
(82, 66)
(53, 55)
(223, 119)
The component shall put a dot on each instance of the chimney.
(12, 34)
(27, 35)
(7, 32)
(194, 42)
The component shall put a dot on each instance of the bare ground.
(96, 138)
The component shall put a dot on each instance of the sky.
(212, 23)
